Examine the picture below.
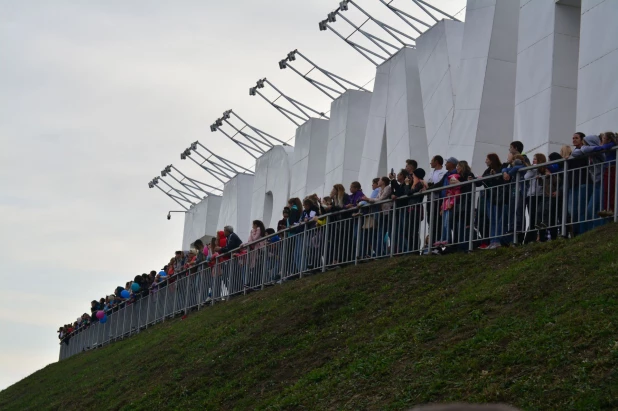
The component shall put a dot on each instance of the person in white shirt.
(438, 173)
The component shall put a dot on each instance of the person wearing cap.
(414, 187)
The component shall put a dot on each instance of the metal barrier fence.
(528, 204)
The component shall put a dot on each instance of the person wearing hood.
(595, 173)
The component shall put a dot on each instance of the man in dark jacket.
(233, 241)
(579, 187)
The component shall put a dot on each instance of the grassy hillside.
(534, 326)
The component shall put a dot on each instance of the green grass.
(533, 326)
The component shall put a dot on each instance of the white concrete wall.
(485, 103)
(201, 220)
(405, 122)
(271, 185)
(236, 205)
(439, 50)
(597, 97)
(309, 163)
(374, 161)
(396, 124)
(547, 65)
(346, 136)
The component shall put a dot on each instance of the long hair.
(260, 226)
(338, 194)
(566, 151)
(465, 168)
(540, 159)
(494, 162)
(295, 201)
(610, 135)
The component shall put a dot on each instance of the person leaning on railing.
(608, 142)
(595, 173)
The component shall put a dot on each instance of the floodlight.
(213, 127)
(219, 122)
(260, 83)
(193, 146)
(322, 25)
(252, 91)
(150, 185)
(292, 55)
(283, 64)
(332, 17)
(226, 114)
(344, 5)
(183, 156)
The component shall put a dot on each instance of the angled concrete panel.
(597, 97)
(373, 162)
(439, 49)
(236, 205)
(271, 185)
(405, 121)
(346, 138)
(201, 221)
(548, 49)
(309, 159)
(485, 101)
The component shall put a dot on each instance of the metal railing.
(529, 205)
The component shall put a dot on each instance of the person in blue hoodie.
(595, 172)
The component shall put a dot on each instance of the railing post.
(431, 221)
(471, 228)
(516, 204)
(325, 251)
(201, 281)
(358, 236)
(187, 278)
(148, 308)
(391, 235)
(175, 295)
(167, 291)
(565, 196)
(616, 188)
(265, 253)
(302, 253)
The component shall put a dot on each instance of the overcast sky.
(95, 99)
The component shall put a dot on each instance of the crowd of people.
(508, 192)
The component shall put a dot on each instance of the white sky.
(95, 99)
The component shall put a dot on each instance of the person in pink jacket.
(448, 207)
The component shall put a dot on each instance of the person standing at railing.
(308, 221)
(449, 203)
(339, 200)
(435, 180)
(399, 239)
(413, 189)
(579, 184)
(608, 142)
(595, 173)
(383, 217)
(491, 202)
(540, 186)
(463, 227)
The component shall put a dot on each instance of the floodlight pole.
(167, 172)
(172, 197)
(196, 182)
(285, 63)
(154, 183)
(297, 104)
